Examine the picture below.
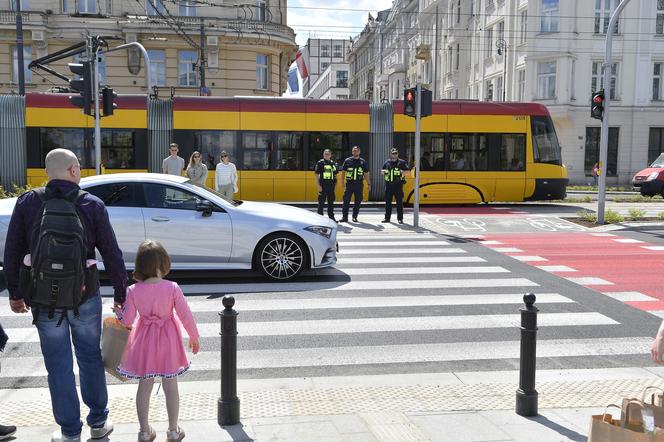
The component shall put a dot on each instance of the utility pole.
(604, 135)
(93, 50)
(19, 48)
(201, 63)
(435, 58)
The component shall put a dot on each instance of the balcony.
(29, 18)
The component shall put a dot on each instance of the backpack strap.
(62, 317)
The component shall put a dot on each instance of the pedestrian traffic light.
(410, 102)
(426, 98)
(108, 101)
(83, 85)
(597, 105)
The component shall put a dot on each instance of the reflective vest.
(329, 171)
(394, 173)
(355, 173)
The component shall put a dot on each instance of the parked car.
(650, 181)
(201, 229)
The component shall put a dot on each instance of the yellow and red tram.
(471, 151)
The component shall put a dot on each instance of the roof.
(469, 107)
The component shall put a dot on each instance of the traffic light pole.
(604, 134)
(95, 91)
(418, 166)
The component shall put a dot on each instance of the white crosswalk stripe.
(394, 300)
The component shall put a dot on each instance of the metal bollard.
(526, 395)
(228, 407)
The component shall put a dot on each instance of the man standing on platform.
(326, 178)
(355, 169)
(393, 173)
(173, 164)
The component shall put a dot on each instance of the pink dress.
(155, 347)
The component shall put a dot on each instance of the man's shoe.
(7, 431)
(354, 220)
(400, 221)
(386, 220)
(99, 432)
(333, 219)
(343, 220)
(57, 436)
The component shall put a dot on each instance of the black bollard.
(228, 407)
(526, 395)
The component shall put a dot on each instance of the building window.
(523, 26)
(546, 80)
(324, 65)
(458, 12)
(489, 90)
(500, 93)
(659, 25)
(521, 84)
(25, 5)
(27, 58)
(338, 53)
(262, 71)
(158, 66)
(261, 12)
(592, 149)
(325, 51)
(187, 9)
(549, 16)
(603, 10)
(655, 143)
(657, 81)
(501, 30)
(65, 6)
(489, 42)
(458, 55)
(186, 68)
(342, 78)
(86, 6)
(102, 68)
(153, 7)
(597, 79)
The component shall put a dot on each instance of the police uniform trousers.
(326, 194)
(353, 188)
(394, 190)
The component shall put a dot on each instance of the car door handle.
(160, 219)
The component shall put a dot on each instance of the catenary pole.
(418, 115)
(19, 48)
(604, 134)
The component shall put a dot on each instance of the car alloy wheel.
(282, 258)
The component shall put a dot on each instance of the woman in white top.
(197, 171)
(226, 177)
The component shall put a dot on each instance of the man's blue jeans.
(85, 332)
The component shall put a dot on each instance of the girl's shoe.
(147, 436)
(174, 435)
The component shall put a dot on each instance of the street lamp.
(501, 44)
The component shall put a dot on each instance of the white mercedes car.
(201, 229)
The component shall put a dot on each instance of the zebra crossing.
(396, 302)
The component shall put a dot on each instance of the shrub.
(660, 215)
(587, 199)
(15, 191)
(587, 216)
(611, 217)
(635, 214)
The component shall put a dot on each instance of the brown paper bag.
(654, 402)
(604, 428)
(114, 337)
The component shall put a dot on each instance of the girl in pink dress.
(155, 348)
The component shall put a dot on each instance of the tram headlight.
(320, 230)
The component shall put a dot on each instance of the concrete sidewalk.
(463, 406)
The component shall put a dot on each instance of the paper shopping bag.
(651, 402)
(114, 337)
(604, 428)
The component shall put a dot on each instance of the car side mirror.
(205, 207)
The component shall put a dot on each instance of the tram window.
(432, 148)
(117, 148)
(513, 152)
(319, 141)
(468, 152)
(257, 149)
(58, 138)
(210, 143)
(289, 150)
(545, 143)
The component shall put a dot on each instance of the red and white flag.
(301, 59)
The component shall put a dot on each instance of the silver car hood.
(285, 212)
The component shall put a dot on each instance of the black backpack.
(58, 253)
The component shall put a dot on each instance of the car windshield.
(214, 192)
(659, 162)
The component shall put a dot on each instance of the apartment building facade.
(322, 53)
(332, 84)
(547, 51)
(243, 49)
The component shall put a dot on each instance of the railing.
(29, 18)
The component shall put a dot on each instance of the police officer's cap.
(394, 150)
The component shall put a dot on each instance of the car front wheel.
(281, 256)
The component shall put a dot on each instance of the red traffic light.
(598, 99)
(410, 96)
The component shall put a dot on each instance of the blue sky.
(344, 19)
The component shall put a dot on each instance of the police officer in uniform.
(326, 178)
(393, 173)
(355, 170)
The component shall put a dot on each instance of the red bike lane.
(623, 268)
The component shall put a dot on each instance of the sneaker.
(174, 435)
(343, 220)
(147, 436)
(400, 221)
(7, 431)
(386, 220)
(57, 436)
(100, 432)
(354, 220)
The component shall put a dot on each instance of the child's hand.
(193, 344)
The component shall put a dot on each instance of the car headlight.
(652, 176)
(320, 230)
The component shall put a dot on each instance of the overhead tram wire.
(174, 25)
